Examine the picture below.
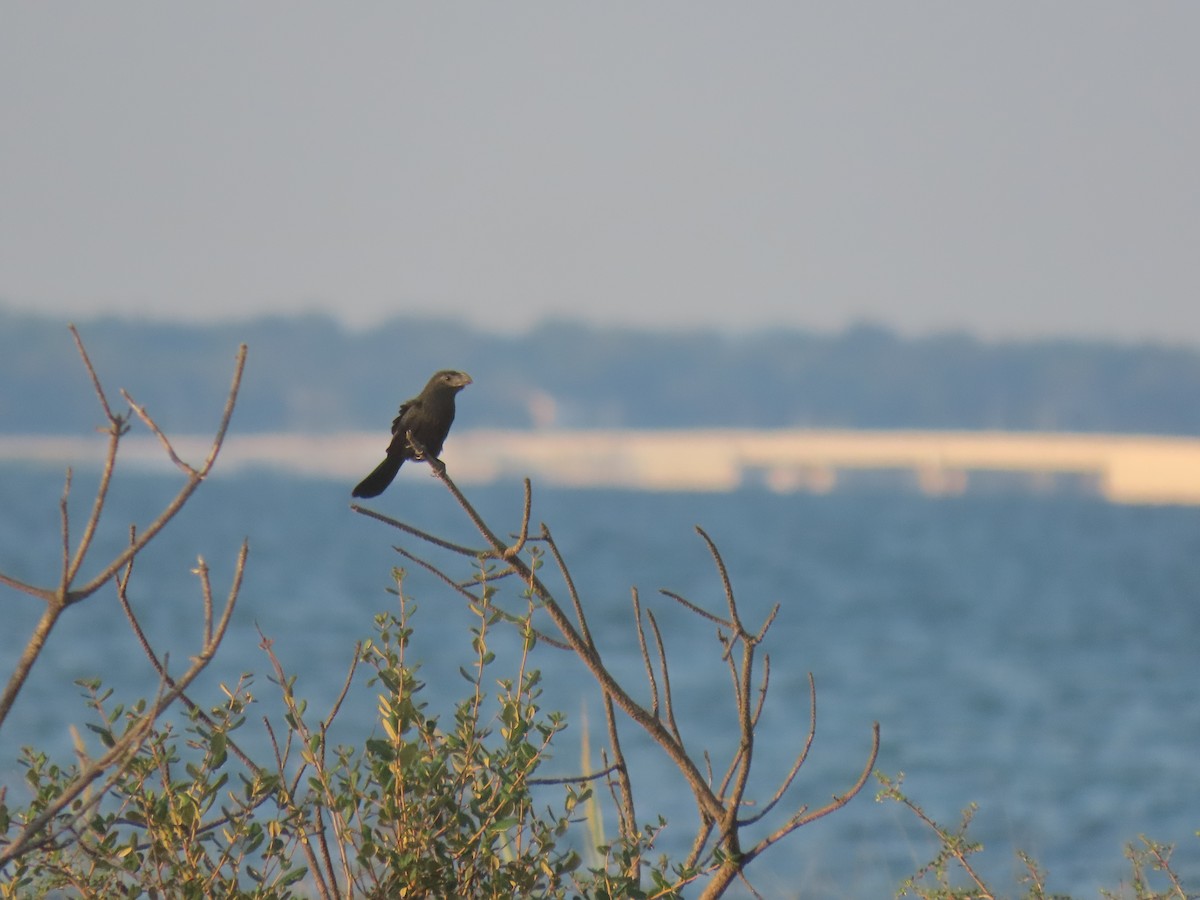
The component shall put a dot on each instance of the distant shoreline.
(1121, 468)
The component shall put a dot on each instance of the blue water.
(1039, 656)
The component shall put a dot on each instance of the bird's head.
(451, 378)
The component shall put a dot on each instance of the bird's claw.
(417, 447)
(420, 453)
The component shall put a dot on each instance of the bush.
(425, 808)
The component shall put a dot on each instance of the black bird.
(427, 417)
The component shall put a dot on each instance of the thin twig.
(625, 808)
(185, 493)
(523, 534)
(29, 654)
(572, 592)
(668, 700)
(800, 758)
(337, 704)
(418, 533)
(25, 588)
(762, 690)
(473, 598)
(136, 625)
(91, 370)
(573, 779)
(64, 582)
(725, 582)
(637, 621)
(698, 610)
(117, 427)
(839, 801)
(729, 828)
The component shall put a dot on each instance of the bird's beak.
(463, 379)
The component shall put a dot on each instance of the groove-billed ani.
(428, 417)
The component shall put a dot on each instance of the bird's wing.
(405, 407)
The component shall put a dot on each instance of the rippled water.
(1036, 655)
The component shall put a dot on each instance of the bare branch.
(323, 844)
(729, 827)
(734, 867)
(625, 808)
(159, 667)
(64, 582)
(222, 428)
(668, 701)
(17, 585)
(766, 625)
(762, 689)
(461, 588)
(91, 370)
(417, 532)
(800, 758)
(574, 779)
(570, 583)
(839, 801)
(65, 595)
(523, 534)
(33, 648)
(117, 427)
(194, 478)
(698, 610)
(337, 704)
(637, 620)
(725, 583)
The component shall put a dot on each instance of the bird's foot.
(420, 453)
(418, 448)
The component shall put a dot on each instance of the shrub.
(424, 807)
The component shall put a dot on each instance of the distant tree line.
(309, 373)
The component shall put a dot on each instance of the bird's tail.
(373, 485)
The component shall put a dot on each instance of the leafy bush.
(423, 807)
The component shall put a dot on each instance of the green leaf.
(292, 877)
(381, 749)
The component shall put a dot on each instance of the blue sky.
(1012, 169)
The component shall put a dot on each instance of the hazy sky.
(1007, 168)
